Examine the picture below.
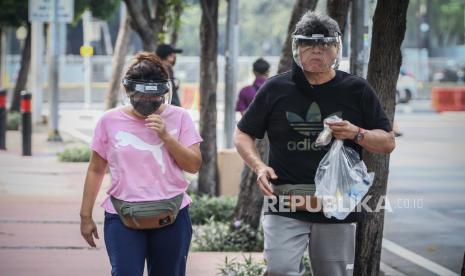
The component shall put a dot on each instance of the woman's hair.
(146, 66)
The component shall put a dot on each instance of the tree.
(118, 59)
(14, 14)
(250, 200)
(338, 10)
(153, 21)
(175, 22)
(150, 20)
(389, 24)
(208, 175)
(300, 7)
(25, 63)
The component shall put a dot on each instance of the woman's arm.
(95, 173)
(188, 158)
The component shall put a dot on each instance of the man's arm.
(246, 148)
(376, 140)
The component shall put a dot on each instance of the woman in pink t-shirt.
(146, 146)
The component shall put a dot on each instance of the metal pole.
(53, 72)
(26, 123)
(37, 51)
(356, 42)
(2, 119)
(231, 55)
(86, 26)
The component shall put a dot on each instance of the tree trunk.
(356, 38)
(143, 23)
(208, 175)
(1, 57)
(21, 82)
(178, 9)
(383, 70)
(338, 10)
(300, 7)
(249, 204)
(119, 57)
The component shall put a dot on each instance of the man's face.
(171, 59)
(317, 58)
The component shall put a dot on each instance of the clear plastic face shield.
(147, 96)
(301, 42)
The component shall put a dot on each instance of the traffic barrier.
(448, 98)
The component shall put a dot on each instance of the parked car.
(406, 88)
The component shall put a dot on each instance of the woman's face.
(145, 104)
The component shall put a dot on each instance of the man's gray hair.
(315, 23)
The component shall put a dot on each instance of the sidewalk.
(39, 216)
(39, 210)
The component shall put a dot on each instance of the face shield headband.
(154, 88)
(316, 40)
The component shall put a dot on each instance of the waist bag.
(301, 196)
(148, 214)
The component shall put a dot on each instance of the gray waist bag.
(148, 214)
(300, 196)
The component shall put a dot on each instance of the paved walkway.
(39, 216)
(40, 200)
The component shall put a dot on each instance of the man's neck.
(166, 63)
(319, 77)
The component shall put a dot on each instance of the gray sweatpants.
(331, 246)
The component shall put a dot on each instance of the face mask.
(144, 107)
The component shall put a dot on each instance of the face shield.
(316, 40)
(147, 96)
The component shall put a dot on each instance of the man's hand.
(89, 231)
(343, 130)
(156, 123)
(263, 175)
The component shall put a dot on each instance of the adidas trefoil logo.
(312, 125)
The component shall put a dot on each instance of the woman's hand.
(89, 231)
(156, 123)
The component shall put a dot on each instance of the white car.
(406, 88)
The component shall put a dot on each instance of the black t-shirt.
(291, 112)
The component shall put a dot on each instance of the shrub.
(13, 120)
(251, 268)
(220, 236)
(203, 208)
(75, 154)
(247, 268)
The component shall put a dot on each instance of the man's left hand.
(343, 130)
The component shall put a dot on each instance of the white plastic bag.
(324, 138)
(341, 180)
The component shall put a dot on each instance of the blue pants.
(165, 249)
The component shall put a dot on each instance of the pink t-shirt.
(141, 168)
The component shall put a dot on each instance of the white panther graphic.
(125, 138)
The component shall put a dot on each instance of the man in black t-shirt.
(290, 108)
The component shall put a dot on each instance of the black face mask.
(144, 107)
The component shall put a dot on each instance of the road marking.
(417, 259)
